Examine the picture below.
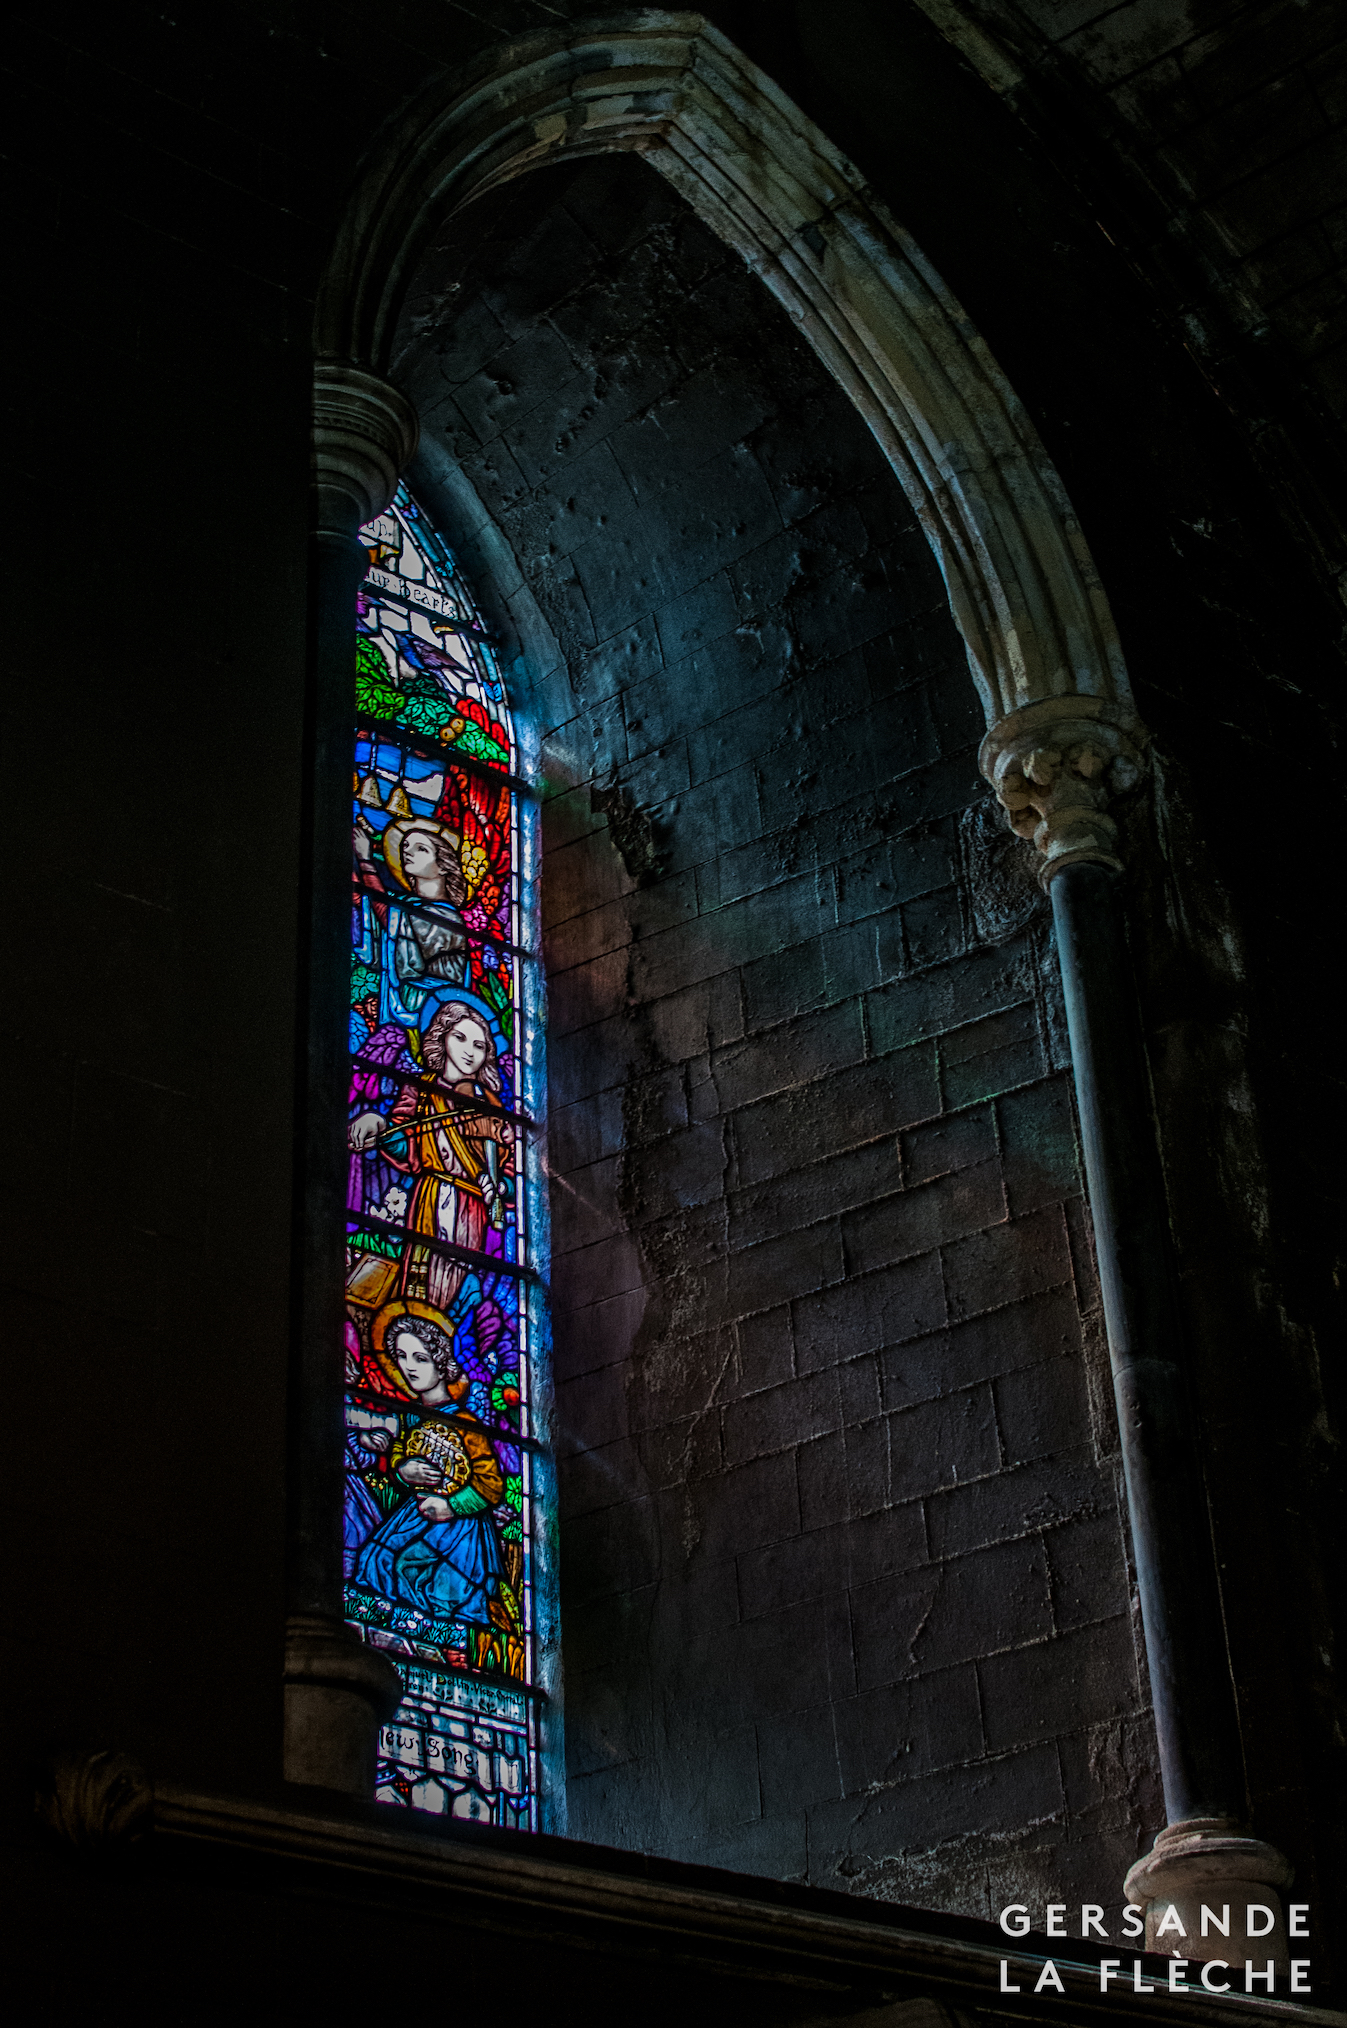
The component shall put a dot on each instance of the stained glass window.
(447, 1470)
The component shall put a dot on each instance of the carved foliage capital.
(364, 432)
(95, 1802)
(1055, 765)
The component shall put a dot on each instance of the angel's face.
(417, 1367)
(466, 1047)
(418, 856)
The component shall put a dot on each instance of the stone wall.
(844, 1589)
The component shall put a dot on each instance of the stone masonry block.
(780, 1417)
(581, 876)
(933, 930)
(953, 1612)
(978, 1800)
(578, 999)
(582, 939)
(826, 1481)
(788, 1203)
(899, 871)
(1043, 1409)
(591, 1410)
(740, 729)
(797, 1760)
(779, 986)
(794, 1053)
(865, 1468)
(852, 956)
(742, 1510)
(608, 1475)
(749, 869)
(1010, 1261)
(858, 1389)
(588, 1211)
(1114, 1763)
(616, 1550)
(763, 924)
(1065, 1493)
(945, 1146)
(869, 1312)
(941, 1443)
(937, 1001)
(567, 816)
(596, 1334)
(1088, 1570)
(765, 1355)
(653, 1107)
(691, 622)
(834, 1113)
(1075, 1680)
(677, 1377)
(613, 1728)
(618, 663)
(676, 1171)
(780, 1662)
(680, 1453)
(585, 1132)
(610, 1267)
(1013, 1056)
(903, 1730)
(763, 1276)
(915, 1221)
(697, 1019)
(828, 1561)
(1026, 1333)
(1041, 1157)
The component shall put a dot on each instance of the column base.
(1207, 1862)
(337, 1694)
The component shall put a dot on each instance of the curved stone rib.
(1022, 586)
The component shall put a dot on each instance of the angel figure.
(456, 1142)
(438, 1549)
(421, 943)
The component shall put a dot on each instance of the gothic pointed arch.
(1022, 586)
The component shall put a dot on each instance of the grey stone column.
(1053, 766)
(337, 1691)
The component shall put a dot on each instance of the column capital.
(364, 432)
(1054, 765)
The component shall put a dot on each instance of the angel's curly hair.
(433, 1041)
(436, 1342)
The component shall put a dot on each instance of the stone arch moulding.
(1023, 590)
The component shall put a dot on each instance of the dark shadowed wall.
(812, 1127)
(845, 1595)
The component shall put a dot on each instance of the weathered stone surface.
(805, 1110)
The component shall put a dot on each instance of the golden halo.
(409, 1307)
(397, 833)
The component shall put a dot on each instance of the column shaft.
(1192, 1694)
(338, 564)
(336, 1689)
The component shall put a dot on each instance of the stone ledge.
(556, 1891)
